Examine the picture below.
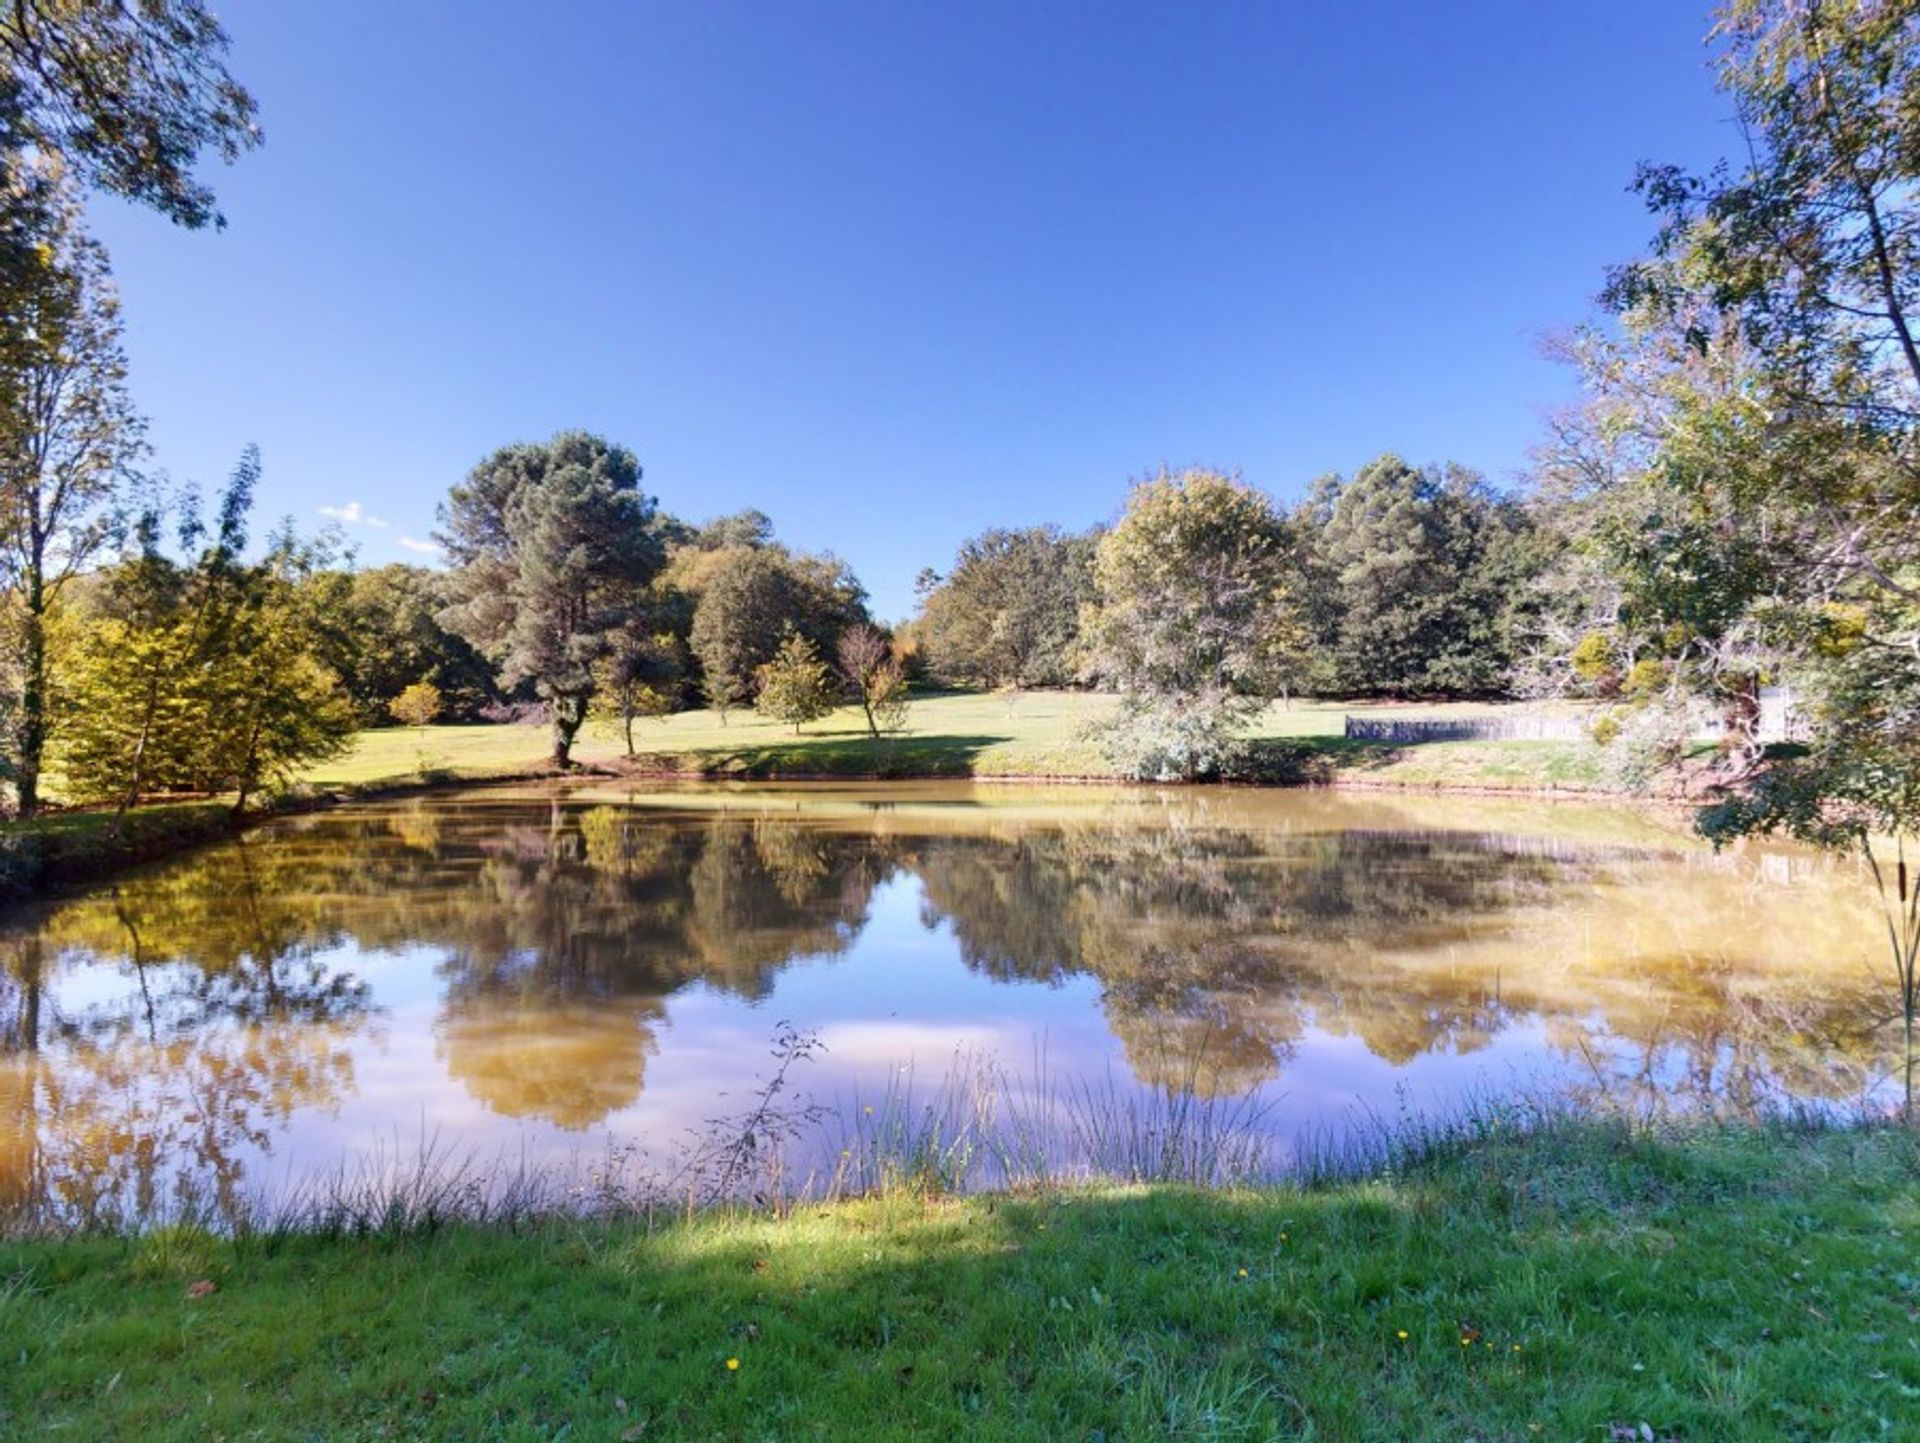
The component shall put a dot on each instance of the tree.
(1766, 378)
(645, 670)
(1413, 577)
(129, 96)
(202, 675)
(874, 678)
(749, 597)
(1008, 613)
(267, 706)
(1193, 622)
(418, 706)
(554, 547)
(1856, 789)
(796, 685)
(69, 439)
(381, 633)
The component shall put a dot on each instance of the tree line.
(1398, 581)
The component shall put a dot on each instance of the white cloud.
(426, 548)
(351, 515)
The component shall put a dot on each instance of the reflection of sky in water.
(544, 983)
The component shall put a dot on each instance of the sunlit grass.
(1753, 1284)
(1034, 734)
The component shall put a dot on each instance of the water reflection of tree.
(559, 930)
(152, 1097)
(1216, 948)
(581, 928)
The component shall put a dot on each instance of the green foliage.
(1417, 581)
(1595, 661)
(1193, 622)
(1766, 369)
(381, 633)
(129, 96)
(1008, 613)
(201, 675)
(69, 439)
(796, 685)
(644, 674)
(1177, 736)
(419, 705)
(747, 598)
(555, 550)
(1757, 404)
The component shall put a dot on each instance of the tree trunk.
(249, 768)
(32, 731)
(566, 713)
(137, 772)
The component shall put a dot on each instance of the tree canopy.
(1008, 612)
(1194, 622)
(554, 548)
(129, 95)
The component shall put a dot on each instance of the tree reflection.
(149, 1097)
(157, 1037)
(1217, 948)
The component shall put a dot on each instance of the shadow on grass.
(1311, 761)
(837, 754)
(1520, 1289)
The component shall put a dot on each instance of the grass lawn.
(1741, 1284)
(1037, 735)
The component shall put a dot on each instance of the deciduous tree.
(69, 440)
(418, 706)
(130, 95)
(874, 678)
(1194, 623)
(1008, 612)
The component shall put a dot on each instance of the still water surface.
(543, 973)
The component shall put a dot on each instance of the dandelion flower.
(1243, 1272)
(1403, 1335)
(733, 1365)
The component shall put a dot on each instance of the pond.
(552, 975)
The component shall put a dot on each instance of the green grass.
(1750, 1284)
(70, 847)
(1039, 734)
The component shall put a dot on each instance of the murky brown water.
(541, 973)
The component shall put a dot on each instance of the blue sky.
(897, 272)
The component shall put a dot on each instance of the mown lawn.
(1039, 734)
(1753, 1285)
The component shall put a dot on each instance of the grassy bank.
(1038, 734)
(71, 848)
(1752, 1284)
(57, 851)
